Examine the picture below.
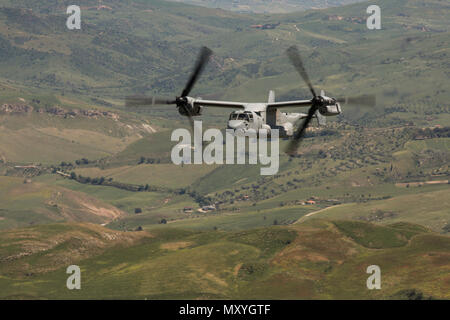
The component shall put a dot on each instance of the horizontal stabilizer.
(271, 96)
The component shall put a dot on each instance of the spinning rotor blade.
(296, 60)
(132, 101)
(182, 101)
(293, 145)
(189, 115)
(364, 100)
(202, 59)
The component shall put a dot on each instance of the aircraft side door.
(252, 121)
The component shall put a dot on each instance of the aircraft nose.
(235, 124)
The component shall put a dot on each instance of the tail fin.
(321, 120)
(271, 96)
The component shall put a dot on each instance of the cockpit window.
(240, 116)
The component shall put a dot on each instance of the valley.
(85, 180)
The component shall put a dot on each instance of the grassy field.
(240, 220)
(123, 199)
(24, 136)
(430, 209)
(23, 204)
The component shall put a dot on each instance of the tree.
(446, 228)
(137, 210)
(163, 221)
(73, 175)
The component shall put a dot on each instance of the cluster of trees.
(87, 180)
(82, 161)
(438, 132)
(323, 133)
(64, 164)
(446, 228)
(201, 200)
(148, 160)
(110, 182)
(395, 109)
(79, 162)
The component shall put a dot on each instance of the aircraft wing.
(219, 104)
(293, 103)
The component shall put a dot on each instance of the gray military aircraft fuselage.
(265, 116)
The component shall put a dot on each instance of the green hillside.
(267, 6)
(137, 53)
(320, 260)
(28, 202)
(429, 209)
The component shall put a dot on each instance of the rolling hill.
(130, 49)
(24, 203)
(267, 6)
(314, 261)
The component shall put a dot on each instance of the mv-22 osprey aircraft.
(259, 116)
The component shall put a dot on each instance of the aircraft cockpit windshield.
(239, 116)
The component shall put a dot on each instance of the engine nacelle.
(330, 110)
(194, 111)
(197, 111)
